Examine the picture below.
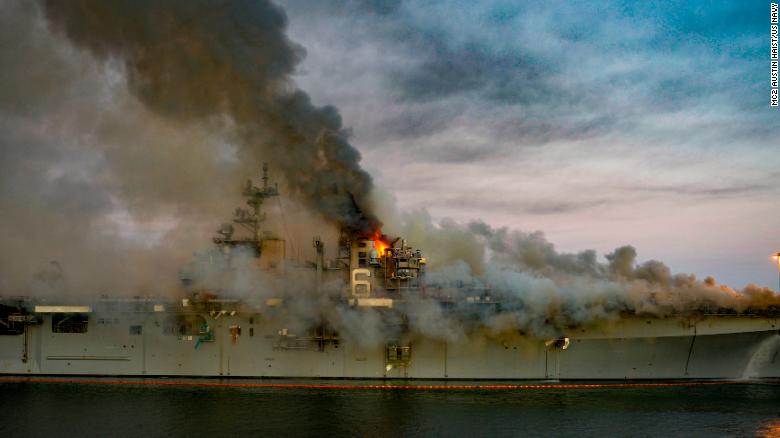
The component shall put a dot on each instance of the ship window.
(10, 327)
(69, 323)
(136, 329)
(10, 321)
(251, 331)
(398, 354)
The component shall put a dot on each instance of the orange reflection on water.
(771, 429)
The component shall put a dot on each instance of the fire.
(379, 244)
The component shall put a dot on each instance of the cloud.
(703, 191)
(556, 70)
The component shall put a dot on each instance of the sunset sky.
(601, 124)
(604, 124)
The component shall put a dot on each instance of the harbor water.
(167, 407)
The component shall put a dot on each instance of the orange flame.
(379, 244)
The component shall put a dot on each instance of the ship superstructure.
(215, 329)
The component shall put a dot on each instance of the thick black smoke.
(199, 60)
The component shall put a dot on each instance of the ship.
(211, 331)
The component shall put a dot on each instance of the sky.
(126, 127)
(599, 123)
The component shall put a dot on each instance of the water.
(78, 409)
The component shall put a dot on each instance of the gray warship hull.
(204, 335)
(137, 344)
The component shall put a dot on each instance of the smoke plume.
(542, 291)
(128, 125)
(196, 60)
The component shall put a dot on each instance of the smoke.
(124, 141)
(86, 197)
(129, 124)
(197, 60)
(506, 280)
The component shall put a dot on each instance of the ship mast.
(249, 218)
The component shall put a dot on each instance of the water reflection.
(57, 409)
(770, 429)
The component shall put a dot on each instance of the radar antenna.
(249, 218)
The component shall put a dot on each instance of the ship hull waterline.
(705, 347)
